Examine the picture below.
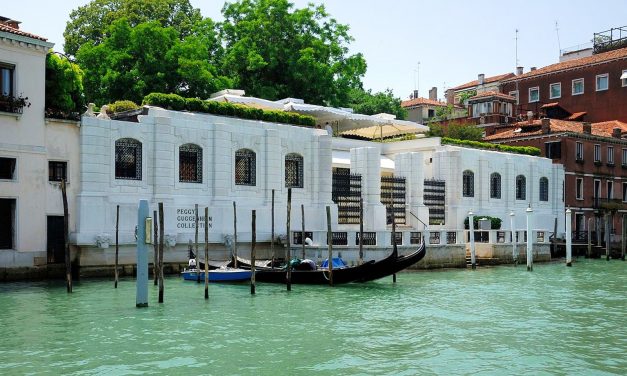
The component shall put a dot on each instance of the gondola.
(393, 264)
(314, 277)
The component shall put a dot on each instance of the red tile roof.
(12, 30)
(422, 101)
(492, 94)
(548, 105)
(487, 80)
(603, 129)
(576, 116)
(576, 63)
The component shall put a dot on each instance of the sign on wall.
(186, 219)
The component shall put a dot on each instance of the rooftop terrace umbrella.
(386, 126)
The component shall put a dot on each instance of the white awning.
(342, 158)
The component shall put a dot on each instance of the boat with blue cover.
(218, 275)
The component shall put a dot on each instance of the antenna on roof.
(559, 45)
(417, 80)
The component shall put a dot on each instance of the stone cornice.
(22, 41)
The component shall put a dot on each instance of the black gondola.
(365, 272)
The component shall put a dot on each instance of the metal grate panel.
(297, 236)
(128, 159)
(415, 237)
(245, 167)
(495, 185)
(434, 198)
(393, 197)
(190, 163)
(338, 238)
(293, 171)
(370, 238)
(346, 193)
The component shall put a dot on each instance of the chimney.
(617, 132)
(415, 94)
(532, 69)
(530, 116)
(433, 94)
(481, 78)
(587, 128)
(519, 71)
(11, 23)
(546, 125)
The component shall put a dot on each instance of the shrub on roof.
(121, 106)
(178, 103)
(526, 150)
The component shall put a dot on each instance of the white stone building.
(35, 154)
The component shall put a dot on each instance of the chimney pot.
(546, 125)
(481, 78)
(587, 128)
(617, 132)
(532, 69)
(519, 71)
(415, 94)
(433, 94)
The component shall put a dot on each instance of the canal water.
(492, 321)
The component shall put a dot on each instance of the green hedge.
(178, 103)
(121, 106)
(527, 150)
(495, 223)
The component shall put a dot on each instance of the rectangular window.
(610, 190)
(534, 94)
(553, 150)
(7, 223)
(623, 78)
(624, 192)
(578, 86)
(579, 189)
(7, 168)
(430, 113)
(514, 94)
(624, 157)
(610, 155)
(579, 152)
(597, 153)
(555, 90)
(7, 72)
(602, 82)
(57, 171)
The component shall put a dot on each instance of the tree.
(275, 52)
(131, 62)
(456, 130)
(89, 23)
(64, 87)
(365, 102)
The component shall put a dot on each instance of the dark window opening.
(245, 165)
(128, 159)
(6, 79)
(190, 163)
(7, 168)
(495, 185)
(7, 223)
(544, 189)
(57, 171)
(553, 150)
(521, 188)
(293, 171)
(468, 186)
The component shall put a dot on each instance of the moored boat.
(218, 275)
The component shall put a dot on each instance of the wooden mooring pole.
(66, 241)
(589, 250)
(196, 243)
(302, 236)
(117, 248)
(394, 247)
(569, 235)
(155, 247)
(608, 217)
(253, 252)
(141, 299)
(529, 239)
(272, 233)
(623, 237)
(234, 235)
(289, 253)
(160, 261)
(330, 245)
(361, 230)
(206, 253)
(471, 227)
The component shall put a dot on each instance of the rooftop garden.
(526, 150)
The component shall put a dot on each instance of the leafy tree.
(456, 130)
(89, 23)
(463, 97)
(273, 52)
(131, 62)
(365, 102)
(64, 87)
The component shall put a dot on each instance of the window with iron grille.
(297, 236)
(190, 163)
(434, 198)
(399, 239)
(544, 189)
(245, 167)
(370, 238)
(415, 237)
(338, 238)
(434, 238)
(521, 187)
(128, 159)
(451, 237)
(293, 171)
(393, 197)
(57, 171)
(495, 185)
(346, 193)
(468, 186)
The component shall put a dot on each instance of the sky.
(416, 44)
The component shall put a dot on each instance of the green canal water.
(492, 321)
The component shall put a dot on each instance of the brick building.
(594, 157)
(480, 85)
(592, 88)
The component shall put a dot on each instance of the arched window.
(245, 167)
(190, 163)
(468, 186)
(521, 187)
(128, 159)
(495, 185)
(544, 189)
(293, 171)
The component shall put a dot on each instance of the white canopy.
(387, 130)
(248, 101)
(343, 158)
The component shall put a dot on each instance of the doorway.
(55, 239)
(7, 223)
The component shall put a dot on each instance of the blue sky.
(452, 40)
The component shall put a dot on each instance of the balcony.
(611, 204)
(14, 105)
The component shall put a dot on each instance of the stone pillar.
(274, 164)
(367, 163)
(411, 167)
(223, 163)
